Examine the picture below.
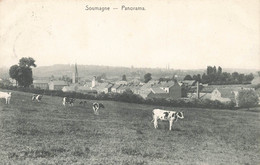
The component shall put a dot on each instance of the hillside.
(48, 133)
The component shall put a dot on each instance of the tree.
(214, 70)
(249, 77)
(247, 98)
(219, 70)
(188, 77)
(209, 70)
(124, 77)
(204, 78)
(147, 77)
(22, 73)
(27, 62)
(13, 72)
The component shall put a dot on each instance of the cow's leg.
(6, 100)
(155, 122)
(96, 111)
(171, 124)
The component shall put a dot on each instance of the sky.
(190, 34)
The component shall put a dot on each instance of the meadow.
(48, 133)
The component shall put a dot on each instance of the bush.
(247, 98)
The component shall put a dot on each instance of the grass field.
(48, 133)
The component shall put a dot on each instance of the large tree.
(147, 77)
(22, 73)
(124, 77)
(13, 72)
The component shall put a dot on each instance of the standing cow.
(6, 96)
(67, 100)
(96, 107)
(37, 97)
(171, 116)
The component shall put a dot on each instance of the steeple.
(75, 77)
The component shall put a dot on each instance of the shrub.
(247, 98)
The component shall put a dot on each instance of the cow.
(67, 100)
(164, 115)
(6, 96)
(37, 97)
(83, 102)
(96, 107)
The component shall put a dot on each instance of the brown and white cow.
(37, 97)
(96, 107)
(6, 96)
(164, 115)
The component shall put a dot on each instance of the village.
(170, 89)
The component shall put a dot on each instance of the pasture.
(48, 133)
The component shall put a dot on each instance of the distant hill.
(88, 71)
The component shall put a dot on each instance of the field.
(48, 133)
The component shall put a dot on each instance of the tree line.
(215, 76)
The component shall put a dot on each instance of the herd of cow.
(158, 114)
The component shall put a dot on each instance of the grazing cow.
(96, 107)
(164, 115)
(67, 100)
(83, 102)
(6, 96)
(37, 97)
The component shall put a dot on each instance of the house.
(123, 88)
(57, 85)
(157, 92)
(108, 88)
(169, 89)
(122, 82)
(143, 90)
(223, 93)
(100, 87)
(13, 82)
(86, 90)
(71, 88)
(42, 84)
(115, 88)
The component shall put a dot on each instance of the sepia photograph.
(129, 82)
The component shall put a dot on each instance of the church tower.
(75, 77)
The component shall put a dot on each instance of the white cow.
(164, 115)
(6, 96)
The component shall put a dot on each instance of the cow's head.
(101, 105)
(9, 93)
(180, 115)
